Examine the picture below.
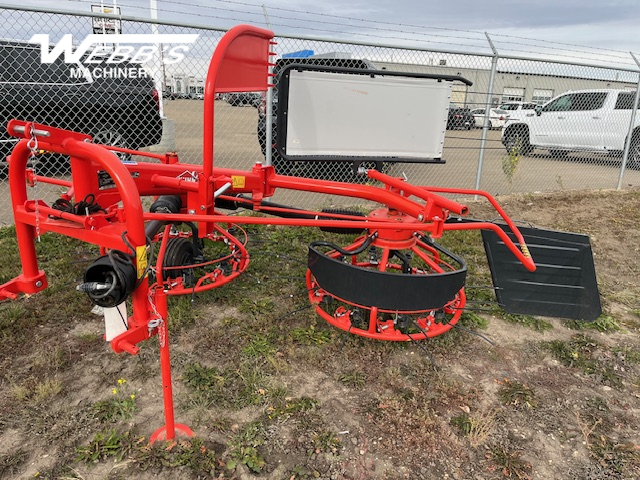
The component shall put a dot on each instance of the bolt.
(201, 207)
(38, 284)
(192, 212)
(420, 217)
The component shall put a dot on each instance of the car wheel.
(518, 140)
(490, 125)
(633, 160)
(110, 137)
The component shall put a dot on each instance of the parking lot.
(236, 146)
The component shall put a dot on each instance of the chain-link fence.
(502, 135)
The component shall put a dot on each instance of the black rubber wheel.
(518, 140)
(180, 251)
(633, 160)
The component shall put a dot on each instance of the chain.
(32, 145)
(156, 322)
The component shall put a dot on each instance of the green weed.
(193, 453)
(208, 382)
(310, 336)
(182, 314)
(121, 407)
(463, 423)
(259, 346)
(617, 457)
(604, 323)
(107, 444)
(580, 353)
(354, 379)
(473, 321)
(291, 406)
(234, 388)
(509, 462)
(326, 442)
(510, 162)
(516, 394)
(244, 448)
(476, 428)
(535, 323)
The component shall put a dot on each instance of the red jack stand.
(168, 432)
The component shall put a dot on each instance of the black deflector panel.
(564, 283)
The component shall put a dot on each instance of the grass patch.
(477, 427)
(287, 407)
(259, 346)
(617, 457)
(515, 394)
(585, 354)
(35, 390)
(121, 407)
(108, 444)
(604, 323)
(535, 323)
(231, 387)
(311, 336)
(509, 462)
(354, 379)
(193, 453)
(244, 448)
(326, 442)
(10, 463)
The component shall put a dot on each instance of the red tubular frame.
(240, 63)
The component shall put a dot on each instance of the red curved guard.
(240, 63)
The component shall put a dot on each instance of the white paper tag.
(115, 321)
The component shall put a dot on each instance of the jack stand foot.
(161, 433)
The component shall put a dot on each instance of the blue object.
(298, 54)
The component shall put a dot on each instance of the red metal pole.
(168, 432)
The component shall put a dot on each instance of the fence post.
(632, 122)
(483, 139)
(158, 79)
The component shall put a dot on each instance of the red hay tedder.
(394, 282)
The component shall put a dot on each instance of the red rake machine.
(394, 282)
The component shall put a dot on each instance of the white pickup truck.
(584, 120)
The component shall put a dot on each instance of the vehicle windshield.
(21, 64)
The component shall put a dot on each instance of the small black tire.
(633, 159)
(180, 251)
(518, 139)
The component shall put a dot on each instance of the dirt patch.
(277, 396)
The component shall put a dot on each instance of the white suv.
(583, 120)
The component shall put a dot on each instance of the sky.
(600, 31)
